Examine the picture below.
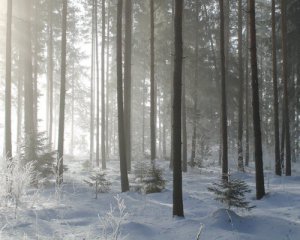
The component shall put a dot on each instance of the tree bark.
(61, 127)
(127, 80)
(184, 131)
(152, 85)
(122, 153)
(102, 89)
(275, 93)
(288, 170)
(92, 107)
(260, 188)
(8, 145)
(176, 132)
(223, 97)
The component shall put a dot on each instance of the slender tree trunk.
(152, 87)
(288, 170)
(241, 88)
(102, 89)
(223, 97)
(275, 93)
(61, 127)
(247, 93)
(20, 101)
(50, 73)
(176, 132)
(184, 132)
(72, 115)
(35, 69)
(127, 80)
(92, 107)
(108, 144)
(8, 145)
(28, 86)
(98, 89)
(260, 187)
(122, 152)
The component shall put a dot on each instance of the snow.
(74, 213)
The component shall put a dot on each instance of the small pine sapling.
(154, 181)
(99, 182)
(231, 193)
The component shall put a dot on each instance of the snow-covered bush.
(15, 179)
(111, 222)
(98, 181)
(231, 193)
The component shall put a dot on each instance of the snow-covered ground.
(74, 213)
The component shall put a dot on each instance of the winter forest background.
(152, 106)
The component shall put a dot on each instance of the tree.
(127, 80)
(241, 88)
(92, 112)
(285, 89)
(275, 93)
(176, 115)
(8, 146)
(121, 130)
(61, 127)
(260, 187)
(152, 85)
(223, 96)
(102, 89)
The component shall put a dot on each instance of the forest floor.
(72, 212)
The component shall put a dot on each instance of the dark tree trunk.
(8, 145)
(122, 153)
(247, 93)
(288, 170)
(223, 96)
(184, 132)
(176, 132)
(241, 88)
(102, 89)
(260, 187)
(127, 80)
(61, 127)
(152, 85)
(275, 93)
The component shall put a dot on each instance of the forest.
(115, 114)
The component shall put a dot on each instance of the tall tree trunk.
(275, 93)
(247, 92)
(92, 106)
(8, 145)
(288, 170)
(20, 101)
(184, 132)
(152, 85)
(72, 114)
(122, 153)
(102, 89)
(107, 145)
(176, 132)
(241, 88)
(260, 187)
(28, 86)
(127, 80)
(98, 89)
(61, 127)
(195, 93)
(35, 69)
(50, 73)
(223, 97)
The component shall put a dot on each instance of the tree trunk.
(98, 89)
(50, 73)
(102, 89)
(241, 88)
(247, 92)
(8, 145)
(223, 97)
(122, 153)
(152, 85)
(275, 93)
(127, 80)
(61, 127)
(184, 132)
(108, 147)
(260, 188)
(176, 132)
(92, 107)
(285, 89)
